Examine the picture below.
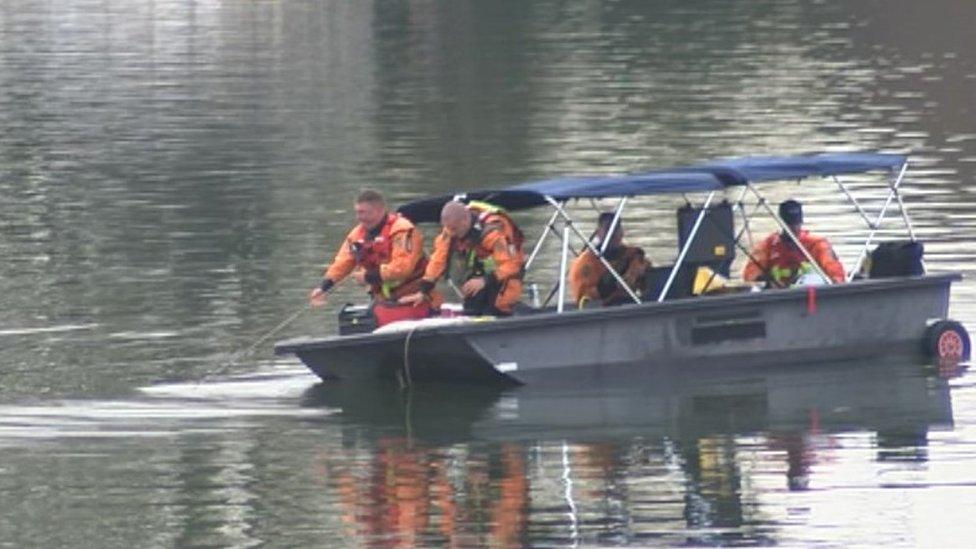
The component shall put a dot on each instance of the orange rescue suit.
(393, 258)
(589, 279)
(493, 248)
(784, 262)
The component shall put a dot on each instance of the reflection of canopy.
(704, 177)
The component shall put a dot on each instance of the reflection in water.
(676, 460)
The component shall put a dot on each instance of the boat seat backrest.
(714, 244)
(657, 277)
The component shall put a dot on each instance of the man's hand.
(473, 286)
(414, 299)
(316, 298)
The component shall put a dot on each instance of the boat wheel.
(947, 340)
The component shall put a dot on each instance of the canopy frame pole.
(877, 222)
(786, 230)
(746, 229)
(538, 245)
(594, 206)
(686, 247)
(857, 205)
(589, 245)
(563, 262)
(613, 225)
(901, 204)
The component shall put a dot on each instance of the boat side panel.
(820, 326)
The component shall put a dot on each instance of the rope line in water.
(407, 379)
(236, 358)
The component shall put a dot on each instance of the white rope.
(407, 379)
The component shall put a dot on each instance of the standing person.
(488, 244)
(589, 279)
(384, 251)
(777, 259)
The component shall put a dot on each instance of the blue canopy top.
(739, 171)
(709, 176)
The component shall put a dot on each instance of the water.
(173, 176)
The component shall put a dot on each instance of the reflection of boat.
(861, 318)
(883, 397)
(669, 461)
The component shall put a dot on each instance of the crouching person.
(487, 244)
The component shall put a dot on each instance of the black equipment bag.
(900, 258)
(356, 319)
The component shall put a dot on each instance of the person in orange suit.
(779, 262)
(488, 245)
(589, 279)
(384, 252)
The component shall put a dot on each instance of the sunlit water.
(173, 176)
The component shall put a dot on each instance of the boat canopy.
(710, 176)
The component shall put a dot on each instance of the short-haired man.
(777, 259)
(384, 251)
(488, 245)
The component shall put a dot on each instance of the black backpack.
(901, 258)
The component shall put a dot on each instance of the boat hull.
(858, 320)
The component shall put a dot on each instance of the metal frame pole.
(538, 245)
(877, 224)
(613, 225)
(563, 261)
(854, 201)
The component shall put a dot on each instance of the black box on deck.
(356, 319)
(902, 258)
(714, 243)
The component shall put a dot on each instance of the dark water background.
(174, 174)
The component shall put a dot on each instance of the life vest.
(787, 262)
(370, 253)
(477, 259)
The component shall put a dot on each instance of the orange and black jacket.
(392, 256)
(589, 279)
(493, 248)
(778, 260)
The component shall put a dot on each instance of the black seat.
(657, 277)
(714, 244)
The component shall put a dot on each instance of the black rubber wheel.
(946, 340)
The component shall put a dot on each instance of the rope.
(236, 358)
(407, 380)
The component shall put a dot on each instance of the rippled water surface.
(173, 175)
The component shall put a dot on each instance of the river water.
(174, 174)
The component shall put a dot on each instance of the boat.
(683, 319)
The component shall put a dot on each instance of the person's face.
(457, 228)
(370, 214)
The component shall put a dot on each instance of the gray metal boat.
(668, 327)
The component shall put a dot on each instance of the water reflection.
(679, 459)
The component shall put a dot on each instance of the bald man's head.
(456, 219)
